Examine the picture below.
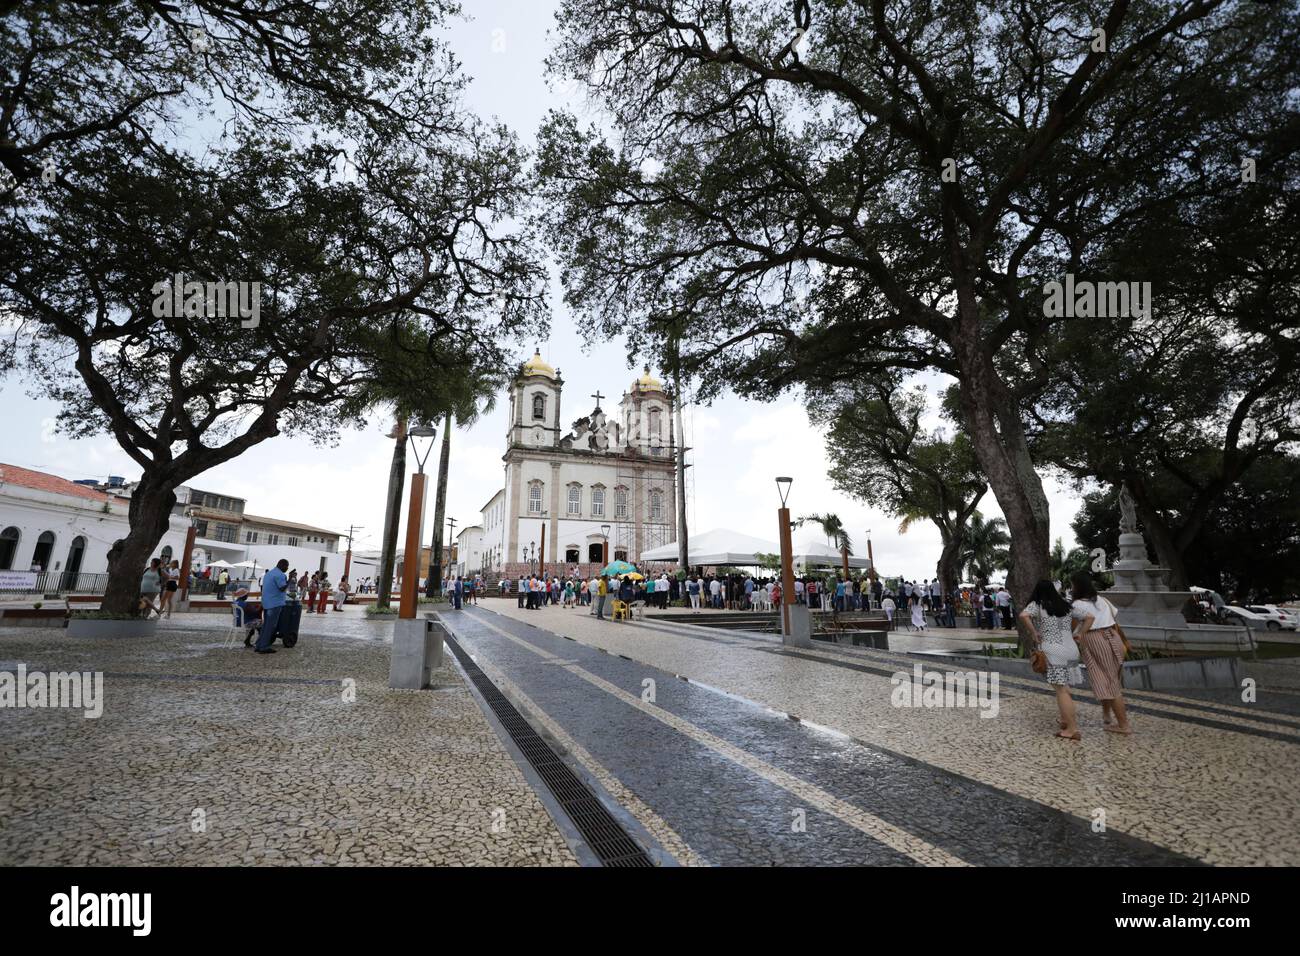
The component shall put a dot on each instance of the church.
(565, 490)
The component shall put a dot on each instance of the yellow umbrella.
(635, 576)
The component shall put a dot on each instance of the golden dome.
(537, 366)
(648, 382)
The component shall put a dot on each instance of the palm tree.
(986, 547)
(479, 398)
(421, 380)
(835, 532)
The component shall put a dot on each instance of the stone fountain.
(1150, 613)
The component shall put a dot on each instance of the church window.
(654, 424)
(598, 502)
(535, 498)
(539, 406)
(620, 503)
(656, 506)
(575, 499)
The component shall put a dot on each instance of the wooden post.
(411, 560)
(541, 555)
(185, 565)
(787, 568)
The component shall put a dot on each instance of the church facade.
(569, 487)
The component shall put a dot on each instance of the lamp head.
(783, 488)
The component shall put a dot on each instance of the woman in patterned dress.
(1102, 646)
(1047, 619)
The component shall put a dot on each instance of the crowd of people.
(1064, 628)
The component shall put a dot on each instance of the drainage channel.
(611, 844)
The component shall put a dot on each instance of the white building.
(51, 524)
(57, 525)
(470, 551)
(569, 487)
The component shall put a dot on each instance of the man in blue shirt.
(274, 583)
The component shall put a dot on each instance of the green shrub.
(374, 610)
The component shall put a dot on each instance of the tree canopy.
(806, 191)
(314, 157)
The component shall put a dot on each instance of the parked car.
(1278, 619)
(1239, 615)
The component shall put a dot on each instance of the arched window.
(535, 498)
(656, 506)
(539, 406)
(44, 548)
(620, 502)
(598, 502)
(9, 539)
(595, 551)
(654, 425)
(571, 554)
(575, 499)
(620, 555)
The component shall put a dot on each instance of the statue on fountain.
(1150, 612)
(1128, 522)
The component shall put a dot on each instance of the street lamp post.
(414, 519)
(417, 644)
(795, 625)
(604, 548)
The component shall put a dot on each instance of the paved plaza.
(212, 755)
(710, 746)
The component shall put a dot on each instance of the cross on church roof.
(598, 397)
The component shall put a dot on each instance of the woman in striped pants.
(1102, 647)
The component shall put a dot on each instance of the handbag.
(1038, 661)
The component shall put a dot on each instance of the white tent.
(719, 546)
(220, 564)
(810, 551)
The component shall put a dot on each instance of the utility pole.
(452, 538)
(683, 552)
(347, 558)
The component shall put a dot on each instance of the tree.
(986, 548)
(1249, 543)
(308, 173)
(1182, 405)
(880, 454)
(421, 379)
(829, 195)
(475, 402)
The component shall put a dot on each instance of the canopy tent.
(819, 553)
(719, 546)
(220, 564)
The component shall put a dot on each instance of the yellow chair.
(620, 610)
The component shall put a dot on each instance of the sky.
(738, 447)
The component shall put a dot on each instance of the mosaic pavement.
(721, 773)
(717, 747)
(212, 755)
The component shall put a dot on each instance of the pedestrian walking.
(151, 583)
(1047, 618)
(1102, 646)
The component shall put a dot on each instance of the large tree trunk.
(434, 584)
(998, 437)
(392, 515)
(949, 558)
(149, 516)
